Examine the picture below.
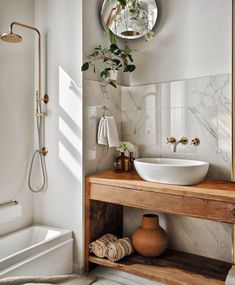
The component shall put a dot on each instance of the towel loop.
(105, 109)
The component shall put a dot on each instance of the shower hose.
(38, 152)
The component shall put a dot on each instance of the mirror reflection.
(129, 19)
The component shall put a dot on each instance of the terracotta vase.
(150, 239)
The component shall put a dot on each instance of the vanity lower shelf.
(173, 267)
(108, 192)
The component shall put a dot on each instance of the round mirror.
(129, 19)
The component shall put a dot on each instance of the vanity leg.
(233, 250)
(100, 218)
(87, 227)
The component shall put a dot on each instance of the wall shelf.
(108, 192)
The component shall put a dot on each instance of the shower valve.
(44, 151)
(45, 99)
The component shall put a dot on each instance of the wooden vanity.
(108, 192)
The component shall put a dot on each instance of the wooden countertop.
(216, 190)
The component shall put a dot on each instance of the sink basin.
(171, 171)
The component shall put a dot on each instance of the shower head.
(11, 38)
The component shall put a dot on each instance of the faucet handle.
(171, 140)
(183, 140)
(196, 141)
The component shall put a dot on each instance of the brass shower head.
(11, 38)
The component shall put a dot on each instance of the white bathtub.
(38, 251)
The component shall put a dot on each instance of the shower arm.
(39, 52)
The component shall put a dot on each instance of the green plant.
(125, 146)
(112, 58)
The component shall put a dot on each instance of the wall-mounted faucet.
(174, 142)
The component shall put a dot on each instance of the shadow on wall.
(70, 133)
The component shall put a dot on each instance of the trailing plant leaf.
(126, 68)
(116, 61)
(127, 50)
(130, 57)
(112, 37)
(85, 66)
(112, 84)
(104, 73)
(115, 49)
(131, 67)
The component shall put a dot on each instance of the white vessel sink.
(171, 171)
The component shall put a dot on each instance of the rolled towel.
(98, 247)
(119, 249)
(126, 242)
(107, 132)
(230, 279)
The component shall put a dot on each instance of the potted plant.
(108, 61)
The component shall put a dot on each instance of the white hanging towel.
(230, 280)
(107, 132)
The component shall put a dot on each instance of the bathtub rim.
(63, 235)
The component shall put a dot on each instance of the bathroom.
(191, 50)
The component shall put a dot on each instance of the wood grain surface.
(173, 267)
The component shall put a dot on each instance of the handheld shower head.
(11, 38)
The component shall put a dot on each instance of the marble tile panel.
(173, 121)
(172, 94)
(202, 91)
(224, 246)
(140, 98)
(99, 157)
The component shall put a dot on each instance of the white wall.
(192, 39)
(61, 204)
(16, 111)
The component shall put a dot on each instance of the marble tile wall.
(193, 108)
(96, 95)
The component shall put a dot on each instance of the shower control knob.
(44, 151)
(46, 99)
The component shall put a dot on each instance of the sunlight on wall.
(70, 135)
(69, 96)
(69, 160)
(70, 101)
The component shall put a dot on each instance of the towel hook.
(105, 109)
